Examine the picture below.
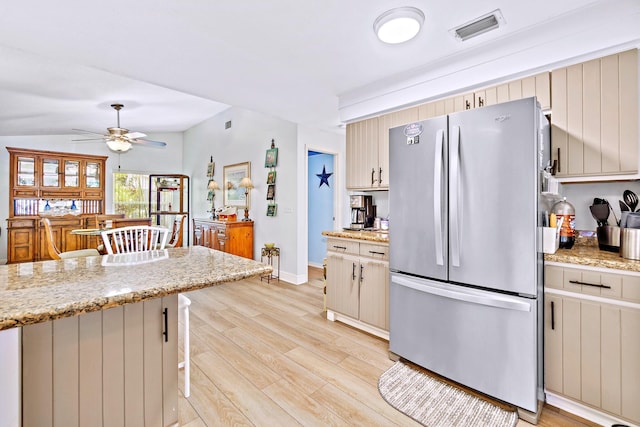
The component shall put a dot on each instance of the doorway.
(320, 208)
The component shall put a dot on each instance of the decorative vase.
(47, 206)
(73, 205)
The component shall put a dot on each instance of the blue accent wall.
(320, 205)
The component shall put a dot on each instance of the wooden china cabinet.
(64, 187)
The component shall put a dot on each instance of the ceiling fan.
(120, 139)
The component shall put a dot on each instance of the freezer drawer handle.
(577, 282)
(553, 316)
(437, 197)
(498, 301)
(454, 199)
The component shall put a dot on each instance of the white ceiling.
(175, 63)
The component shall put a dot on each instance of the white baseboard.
(294, 279)
(315, 265)
(585, 412)
(333, 316)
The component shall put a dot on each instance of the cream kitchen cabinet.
(362, 154)
(358, 284)
(76, 370)
(594, 123)
(592, 344)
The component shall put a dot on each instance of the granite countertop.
(371, 236)
(586, 252)
(37, 292)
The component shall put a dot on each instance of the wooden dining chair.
(53, 251)
(175, 241)
(137, 238)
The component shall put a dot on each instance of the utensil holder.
(550, 240)
(630, 243)
(608, 238)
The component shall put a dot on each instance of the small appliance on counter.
(363, 211)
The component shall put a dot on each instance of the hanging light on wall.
(398, 25)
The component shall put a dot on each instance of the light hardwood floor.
(264, 354)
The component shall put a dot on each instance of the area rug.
(434, 403)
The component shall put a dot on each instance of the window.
(131, 194)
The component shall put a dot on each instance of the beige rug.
(436, 404)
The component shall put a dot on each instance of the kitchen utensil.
(613, 212)
(600, 213)
(630, 243)
(623, 206)
(631, 199)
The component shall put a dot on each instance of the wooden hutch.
(67, 188)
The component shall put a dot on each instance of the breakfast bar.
(94, 340)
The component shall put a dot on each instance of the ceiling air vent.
(478, 26)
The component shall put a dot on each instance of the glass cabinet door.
(71, 173)
(93, 175)
(51, 173)
(26, 171)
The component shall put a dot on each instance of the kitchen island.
(88, 331)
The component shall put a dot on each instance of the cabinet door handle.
(480, 102)
(467, 105)
(340, 247)
(553, 316)
(165, 333)
(377, 253)
(577, 282)
(373, 173)
(380, 176)
(353, 271)
(558, 159)
(361, 270)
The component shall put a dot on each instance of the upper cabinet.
(362, 154)
(594, 123)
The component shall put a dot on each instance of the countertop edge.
(369, 236)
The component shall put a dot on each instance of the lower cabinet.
(112, 367)
(592, 339)
(358, 284)
(234, 237)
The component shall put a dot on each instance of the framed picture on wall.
(233, 195)
(271, 177)
(271, 192)
(271, 210)
(271, 159)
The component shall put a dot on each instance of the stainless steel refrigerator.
(465, 258)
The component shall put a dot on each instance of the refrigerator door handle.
(454, 202)
(498, 301)
(437, 197)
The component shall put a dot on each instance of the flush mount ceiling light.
(478, 26)
(398, 25)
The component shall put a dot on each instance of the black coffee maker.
(363, 212)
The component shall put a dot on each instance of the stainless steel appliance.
(362, 211)
(465, 257)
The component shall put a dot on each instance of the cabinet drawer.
(60, 194)
(587, 282)
(380, 252)
(343, 246)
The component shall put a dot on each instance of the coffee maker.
(362, 211)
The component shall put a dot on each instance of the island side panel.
(37, 375)
(10, 403)
(170, 362)
(90, 365)
(153, 327)
(134, 364)
(65, 372)
(113, 362)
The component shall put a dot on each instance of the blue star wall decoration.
(324, 177)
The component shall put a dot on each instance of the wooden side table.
(267, 257)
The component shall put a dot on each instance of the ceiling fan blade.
(149, 142)
(86, 131)
(88, 139)
(135, 135)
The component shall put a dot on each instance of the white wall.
(139, 158)
(247, 141)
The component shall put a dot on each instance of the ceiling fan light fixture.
(398, 25)
(119, 145)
